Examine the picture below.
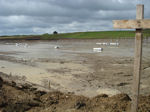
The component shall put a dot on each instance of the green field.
(81, 35)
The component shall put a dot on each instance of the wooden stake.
(137, 60)
(139, 24)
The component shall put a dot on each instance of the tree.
(55, 32)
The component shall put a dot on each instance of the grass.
(91, 35)
(81, 35)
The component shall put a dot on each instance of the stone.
(79, 105)
(1, 82)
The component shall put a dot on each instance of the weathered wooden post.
(139, 24)
(137, 60)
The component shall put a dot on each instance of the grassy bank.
(92, 35)
(80, 35)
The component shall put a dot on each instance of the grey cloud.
(95, 4)
(45, 16)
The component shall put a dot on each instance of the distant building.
(55, 32)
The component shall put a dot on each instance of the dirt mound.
(26, 98)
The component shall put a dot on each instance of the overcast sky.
(46, 16)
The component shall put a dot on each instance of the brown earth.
(83, 73)
(16, 97)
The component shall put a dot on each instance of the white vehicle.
(104, 43)
(97, 49)
(56, 47)
(114, 44)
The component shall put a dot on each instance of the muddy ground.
(75, 67)
(18, 97)
(87, 81)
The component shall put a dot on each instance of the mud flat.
(74, 67)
